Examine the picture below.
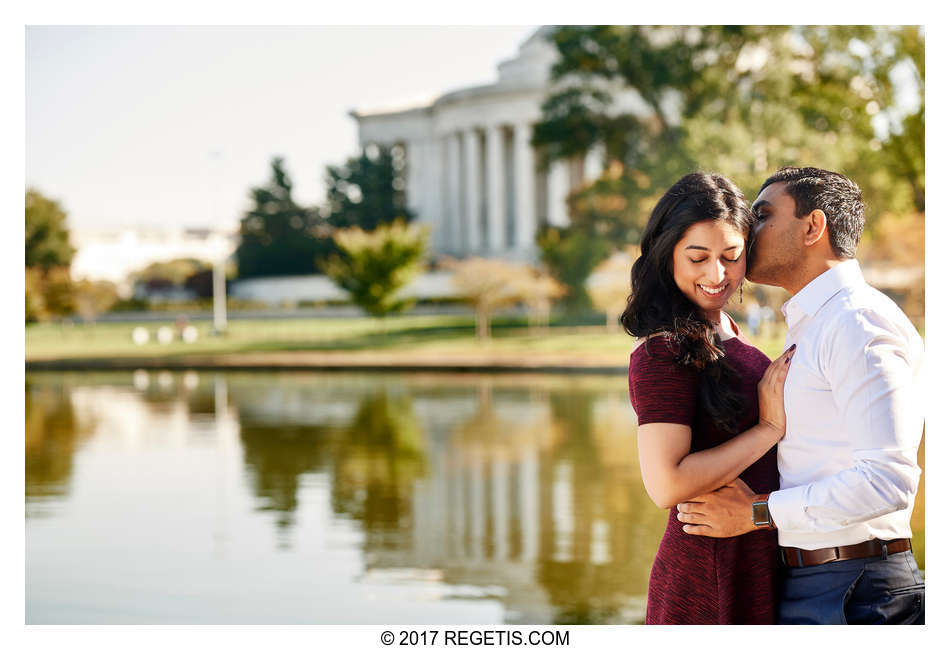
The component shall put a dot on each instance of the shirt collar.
(816, 293)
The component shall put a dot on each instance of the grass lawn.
(448, 335)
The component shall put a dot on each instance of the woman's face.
(709, 264)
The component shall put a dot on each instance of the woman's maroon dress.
(703, 580)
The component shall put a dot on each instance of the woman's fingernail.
(793, 347)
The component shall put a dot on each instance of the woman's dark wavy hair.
(656, 305)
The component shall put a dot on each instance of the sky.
(169, 127)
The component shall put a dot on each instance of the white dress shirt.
(854, 415)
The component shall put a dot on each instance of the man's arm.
(871, 374)
(872, 377)
(726, 512)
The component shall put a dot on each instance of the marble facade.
(471, 173)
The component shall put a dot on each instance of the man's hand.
(726, 512)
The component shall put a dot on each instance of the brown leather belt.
(798, 557)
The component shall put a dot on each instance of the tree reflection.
(277, 455)
(383, 452)
(53, 434)
(373, 462)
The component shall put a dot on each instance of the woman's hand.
(772, 394)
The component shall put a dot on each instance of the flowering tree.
(492, 284)
(609, 285)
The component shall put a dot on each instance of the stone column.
(416, 172)
(433, 195)
(526, 221)
(473, 197)
(495, 170)
(559, 186)
(451, 196)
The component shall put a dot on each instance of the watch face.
(760, 513)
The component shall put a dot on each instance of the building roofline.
(496, 87)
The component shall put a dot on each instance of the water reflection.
(52, 435)
(381, 455)
(517, 497)
(277, 457)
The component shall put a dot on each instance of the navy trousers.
(854, 592)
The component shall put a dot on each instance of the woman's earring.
(740, 293)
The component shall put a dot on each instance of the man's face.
(778, 245)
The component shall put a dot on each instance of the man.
(854, 419)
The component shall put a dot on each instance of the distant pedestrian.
(753, 317)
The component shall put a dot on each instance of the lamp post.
(220, 292)
(218, 284)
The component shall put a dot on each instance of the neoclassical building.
(471, 173)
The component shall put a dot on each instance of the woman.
(709, 404)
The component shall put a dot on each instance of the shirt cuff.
(787, 509)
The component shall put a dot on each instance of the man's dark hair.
(832, 193)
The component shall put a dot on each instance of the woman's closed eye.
(725, 259)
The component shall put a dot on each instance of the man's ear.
(817, 224)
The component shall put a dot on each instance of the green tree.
(278, 236)
(47, 236)
(740, 100)
(372, 267)
(48, 255)
(35, 301)
(173, 272)
(570, 254)
(59, 292)
(903, 56)
(368, 190)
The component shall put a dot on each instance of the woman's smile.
(713, 291)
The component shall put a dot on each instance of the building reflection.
(528, 492)
(524, 490)
(538, 493)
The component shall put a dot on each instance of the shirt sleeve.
(660, 389)
(871, 366)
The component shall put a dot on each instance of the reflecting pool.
(305, 497)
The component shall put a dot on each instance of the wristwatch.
(761, 518)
